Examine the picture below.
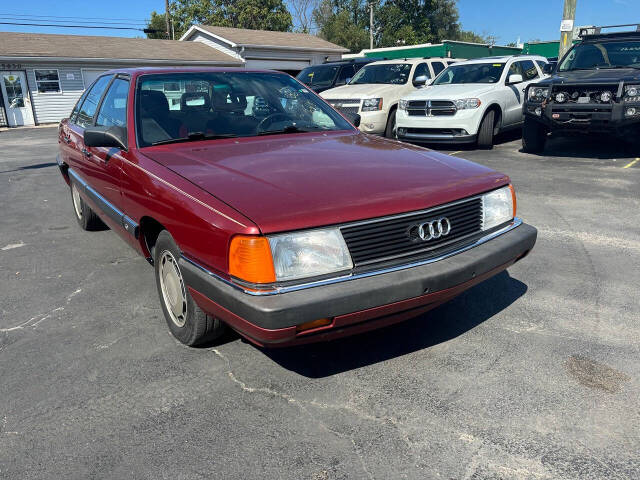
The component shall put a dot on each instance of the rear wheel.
(186, 321)
(487, 130)
(390, 130)
(534, 136)
(87, 218)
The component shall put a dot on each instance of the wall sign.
(70, 76)
(11, 66)
(566, 26)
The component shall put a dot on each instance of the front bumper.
(585, 118)
(358, 304)
(459, 128)
(373, 122)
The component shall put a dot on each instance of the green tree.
(157, 22)
(253, 14)
(343, 22)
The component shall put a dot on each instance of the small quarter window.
(47, 81)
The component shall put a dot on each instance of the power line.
(71, 26)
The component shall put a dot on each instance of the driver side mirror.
(514, 78)
(420, 81)
(547, 69)
(106, 137)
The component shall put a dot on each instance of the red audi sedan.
(263, 209)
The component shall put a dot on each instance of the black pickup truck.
(594, 89)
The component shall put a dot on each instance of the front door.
(16, 98)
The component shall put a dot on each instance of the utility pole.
(166, 16)
(371, 25)
(566, 27)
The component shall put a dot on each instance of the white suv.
(374, 91)
(470, 101)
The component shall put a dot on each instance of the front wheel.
(390, 130)
(186, 321)
(534, 136)
(487, 130)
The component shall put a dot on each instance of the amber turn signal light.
(513, 197)
(250, 259)
(321, 322)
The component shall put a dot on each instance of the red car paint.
(205, 192)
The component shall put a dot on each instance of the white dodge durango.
(469, 102)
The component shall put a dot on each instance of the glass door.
(16, 98)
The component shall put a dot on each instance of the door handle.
(86, 152)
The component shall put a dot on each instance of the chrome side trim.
(345, 278)
(108, 208)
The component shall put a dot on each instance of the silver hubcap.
(77, 201)
(174, 294)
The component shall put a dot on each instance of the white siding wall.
(213, 43)
(53, 107)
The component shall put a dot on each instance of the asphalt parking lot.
(533, 374)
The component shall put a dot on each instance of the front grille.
(580, 94)
(345, 105)
(430, 108)
(392, 238)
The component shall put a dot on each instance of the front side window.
(422, 70)
(470, 73)
(345, 75)
(318, 76)
(383, 73)
(602, 55)
(90, 104)
(529, 70)
(47, 81)
(113, 111)
(228, 104)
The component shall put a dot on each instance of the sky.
(507, 20)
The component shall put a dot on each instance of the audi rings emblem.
(434, 229)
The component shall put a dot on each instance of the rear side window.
(113, 111)
(90, 104)
(437, 67)
(74, 113)
(529, 70)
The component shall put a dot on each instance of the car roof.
(152, 70)
(502, 59)
(411, 60)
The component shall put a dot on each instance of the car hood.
(593, 76)
(368, 90)
(450, 91)
(291, 182)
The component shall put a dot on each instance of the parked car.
(470, 102)
(280, 220)
(331, 74)
(374, 91)
(594, 89)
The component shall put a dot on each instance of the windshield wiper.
(288, 129)
(195, 136)
(612, 67)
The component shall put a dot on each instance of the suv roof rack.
(593, 31)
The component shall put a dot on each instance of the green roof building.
(446, 49)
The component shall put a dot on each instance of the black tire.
(534, 136)
(190, 325)
(486, 132)
(389, 131)
(87, 218)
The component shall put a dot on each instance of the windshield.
(191, 106)
(470, 73)
(388, 73)
(587, 56)
(320, 76)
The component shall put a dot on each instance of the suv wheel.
(390, 130)
(487, 130)
(186, 321)
(87, 218)
(534, 136)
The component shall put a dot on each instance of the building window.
(47, 81)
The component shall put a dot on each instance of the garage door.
(89, 75)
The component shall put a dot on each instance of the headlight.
(466, 103)
(537, 94)
(498, 207)
(632, 93)
(371, 104)
(309, 254)
(402, 104)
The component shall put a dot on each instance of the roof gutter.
(122, 61)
